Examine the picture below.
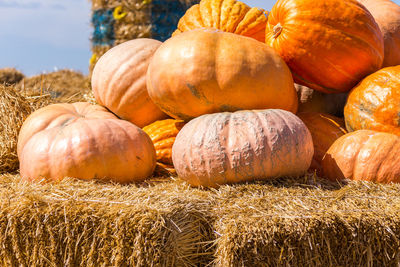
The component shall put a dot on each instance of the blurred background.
(45, 35)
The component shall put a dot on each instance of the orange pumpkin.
(329, 45)
(225, 148)
(374, 103)
(325, 129)
(364, 155)
(83, 141)
(119, 81)
(163, 134)
(206, 71)
(313, 101)
(226, 15)
(387, 15)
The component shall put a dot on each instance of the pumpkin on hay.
(374, 103)
(364, 155)
(83, 141)
(226, 15)
(225, 148)
(329, 45)
(119, 81)
(387, 15)
(206, 71)
(163, 134)
(325, 129)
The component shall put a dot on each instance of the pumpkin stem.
(277, 29)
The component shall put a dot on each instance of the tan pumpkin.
(226, 148)
(329, 45)
(207, 71)
(163, 134)
(387, 15)
(83, 141)
(314, 101)
(364, 155)
(119, 81)
(325, 129)
(374, 103)
(226, 15)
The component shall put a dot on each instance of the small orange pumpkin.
(119, 81)
(83, 141)
(225, 15)
(224, 148)
(374, 103)
(206, 71)
(325, 129)
(364, 155)
(163, 134)
(329, 45)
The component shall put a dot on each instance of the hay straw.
(64, 85)
(164, 222)
(10, 76)
(14, 108)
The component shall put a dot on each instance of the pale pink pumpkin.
(225, 148)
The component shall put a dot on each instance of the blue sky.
(41, 35)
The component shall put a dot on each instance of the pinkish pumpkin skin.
(83, 141)
(226, 148)
(119, 81)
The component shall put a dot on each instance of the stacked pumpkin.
(226, 81)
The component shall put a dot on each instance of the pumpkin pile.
(218, 101)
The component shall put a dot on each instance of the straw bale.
(79, 223)
(307, 224)
(15, 106)
(10, 76)
(64, 85)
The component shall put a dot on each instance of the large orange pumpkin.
(221, 148)
(163, 134)
(329, 45)
(83, 141)
(226, 15)
(387, 15)
(325, 129)
(364, 155)
(208, 71)
(119, 81)
(374, 103)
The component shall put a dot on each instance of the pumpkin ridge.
(314, 85)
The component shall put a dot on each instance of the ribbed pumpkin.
(226, 15)
(119, 81)
(207, 71)
(374, 103)
(163, 134)
(387, 15)
(226, 148)
(325, 129)
(364, 155)
(329, 45)
(313, 101)
(83, 141)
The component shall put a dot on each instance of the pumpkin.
(206, 71)
(364, 155)
(313, 101)
(226, 15)
(329, 45)
(119, 81)
(163, 134)
(387, 15)
(374, 103)
(83, 141)
(325, 129)
(226, 148)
